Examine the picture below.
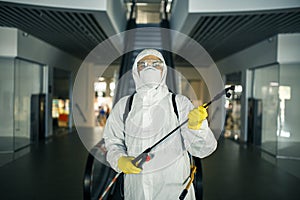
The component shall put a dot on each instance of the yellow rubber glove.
(196, 117)
(126, 166)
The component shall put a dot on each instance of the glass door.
(6, 104)
(28, 82)
(265, 90)
(289, 94)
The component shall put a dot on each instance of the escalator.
(98, 174)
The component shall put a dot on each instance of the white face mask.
(150, 75)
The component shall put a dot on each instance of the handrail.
(165, 13)
(198, 183)
(87, 179)
(80, 112)
(133, 6)
(94, 182)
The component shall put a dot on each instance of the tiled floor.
(54, 170)
(237, 171)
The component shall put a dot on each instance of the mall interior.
(64, 65)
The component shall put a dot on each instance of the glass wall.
(28, 81)
(277, 87)
(6, 104)
(289, 113)
(19, 80)
(265, 90)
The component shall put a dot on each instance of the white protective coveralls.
(150, 119)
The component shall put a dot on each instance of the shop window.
(233, 114)
(104, 91)
(60, 112)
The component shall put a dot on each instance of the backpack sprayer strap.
(192, 177)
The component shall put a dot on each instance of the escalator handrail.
(87, 178)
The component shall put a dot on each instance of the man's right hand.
(126, 166)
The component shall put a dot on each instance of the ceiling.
(222, 35)
(79, 31)
(73, 31)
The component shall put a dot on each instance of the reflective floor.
(54, 170)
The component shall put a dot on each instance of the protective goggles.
(158, 64)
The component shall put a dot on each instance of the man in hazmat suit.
(150, 119)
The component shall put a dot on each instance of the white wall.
(212, 6)
(179, 14)
(8, 42)
(116, 11)
(289, 48)
(83, 96)
(31, 48)
(259, 54)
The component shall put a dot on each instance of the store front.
(233, 107)
(276, 86)
(104, 93)
(22, 100)
(61, 101)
